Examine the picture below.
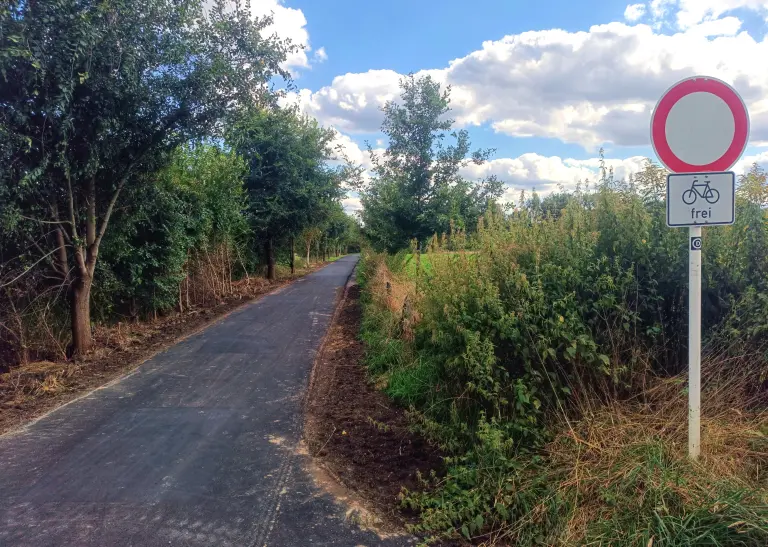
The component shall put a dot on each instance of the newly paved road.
(196, 447)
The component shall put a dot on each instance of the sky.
(545, 83)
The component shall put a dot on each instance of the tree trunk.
(309, 246)
(325, 257)
(293, 255)
(270, 257)
(82, 340)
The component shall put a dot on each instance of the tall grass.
(549, 363)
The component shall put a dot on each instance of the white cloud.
(352, 101)
(659, 7)
(352, 150)
(351, 204)
(545, 173)
(634, 12)
(590, 88)
(523, 172)
(746, 162)
(288, 23)
(693, 12)
(321, 55)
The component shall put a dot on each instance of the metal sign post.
(699, 130)
(694, 342)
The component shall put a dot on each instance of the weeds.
(549, 362)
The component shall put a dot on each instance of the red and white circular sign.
(699, 124)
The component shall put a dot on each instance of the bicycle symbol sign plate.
(700, 199)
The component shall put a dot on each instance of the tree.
(753, 186)
(338, 228)
(417, 188)
(310, 235)
(651, 182)
(94, 96)
(191, 215)
(289, 184)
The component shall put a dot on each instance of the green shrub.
(552, 313)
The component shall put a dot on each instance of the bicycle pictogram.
(700, 190)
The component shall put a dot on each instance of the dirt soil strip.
(29, 392)
(353, 430)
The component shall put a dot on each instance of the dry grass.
(38, 378)
(642, 444)
(398, 295)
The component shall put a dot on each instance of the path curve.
(196, 447)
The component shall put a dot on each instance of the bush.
(548, 317)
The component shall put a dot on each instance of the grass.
(426, 262)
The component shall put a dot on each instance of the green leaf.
(465, 532)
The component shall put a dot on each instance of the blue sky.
(546, 83)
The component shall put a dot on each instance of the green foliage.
(94, 97)
(573, 300)
(195, 205)
(290, 188)
(417, 189)
(103, 193)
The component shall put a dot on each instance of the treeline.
(146, 165)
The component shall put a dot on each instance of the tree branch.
(71, 207)
(45, 221)
(29, 269)
(90, 219)
(108, 213)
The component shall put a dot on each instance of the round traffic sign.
(699, 124)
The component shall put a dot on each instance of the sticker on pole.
(700, 124)
(701, 199)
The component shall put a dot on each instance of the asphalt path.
(198, 446)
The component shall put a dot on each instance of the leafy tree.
(340, 229)
(289, 184)
(651, 181)
(417, 188)
(94, 95)
(194, 207)
(753, 186)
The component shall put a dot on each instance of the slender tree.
(417, 188)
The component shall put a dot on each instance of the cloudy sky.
(546, 83)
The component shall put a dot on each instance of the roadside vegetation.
(542, 346)
(146, 172)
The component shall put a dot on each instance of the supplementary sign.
(701, 199)
(700, 124)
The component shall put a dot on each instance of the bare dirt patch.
(354, 431)
(30, 390)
